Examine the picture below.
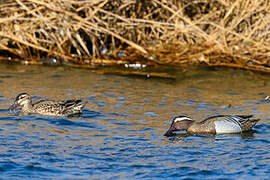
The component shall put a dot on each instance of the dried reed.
(233, 33)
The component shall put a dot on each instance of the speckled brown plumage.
(48, 107)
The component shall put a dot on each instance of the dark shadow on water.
(76, 120)
(84, 114)
(183, 137)
(7, 165)
(87, 114)
(7, 76)
(248, 134)
(179, 138)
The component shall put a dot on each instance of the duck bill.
(170, 131)
(13, 106)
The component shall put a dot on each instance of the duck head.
(22, 99)
(179, 123)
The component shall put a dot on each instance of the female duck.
(221, 124)
(47, 107)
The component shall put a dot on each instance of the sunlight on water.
(120, 133)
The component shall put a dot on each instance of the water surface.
(120, 133)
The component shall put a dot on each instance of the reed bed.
(233, 33)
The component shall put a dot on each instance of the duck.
(47, 107)
(219, 124)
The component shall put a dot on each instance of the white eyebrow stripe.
(182, 118)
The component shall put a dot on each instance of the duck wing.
(76, 103)
(58, 108)
(237, 118)
(232, 123)
(73, 107)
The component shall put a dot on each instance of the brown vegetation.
(233, 33)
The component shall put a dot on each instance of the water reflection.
(120, 133)
(184, 137)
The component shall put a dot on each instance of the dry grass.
(233, 33)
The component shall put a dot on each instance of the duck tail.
(79, 105)
(249, 124)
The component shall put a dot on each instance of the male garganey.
(221, 124)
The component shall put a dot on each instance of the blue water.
(120, 133)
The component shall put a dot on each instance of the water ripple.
(119, 135)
